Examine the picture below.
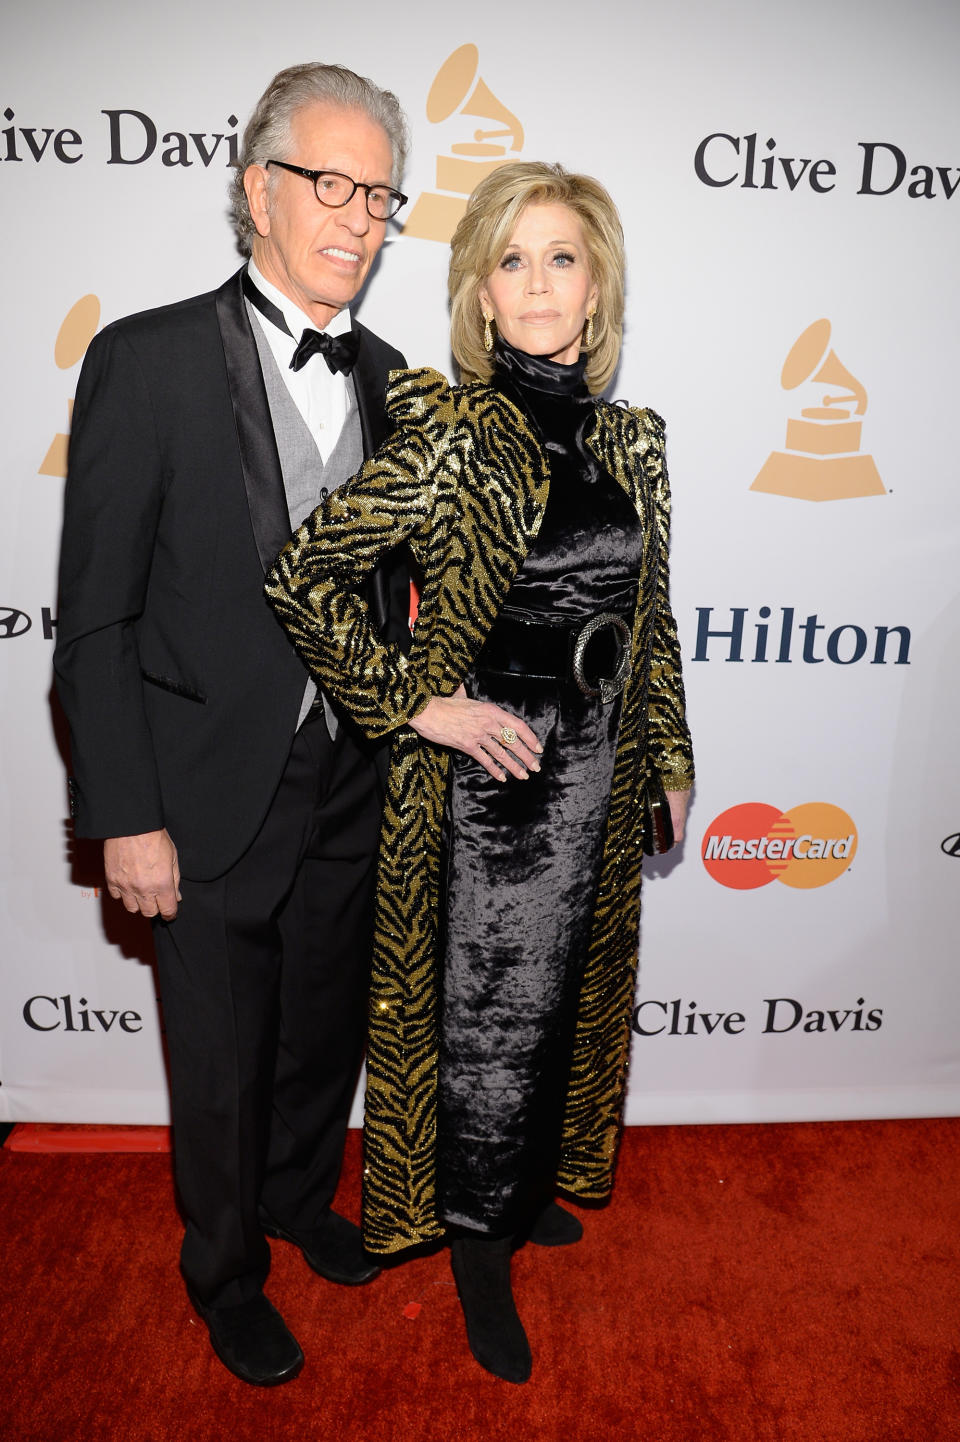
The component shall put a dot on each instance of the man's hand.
(678, 802)
(143, 873)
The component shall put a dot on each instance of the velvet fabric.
(463, 480)
(523, 857)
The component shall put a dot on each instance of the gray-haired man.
(236, 809)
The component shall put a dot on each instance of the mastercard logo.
(751, 845)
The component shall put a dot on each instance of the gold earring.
(588, 338)
(487, 333)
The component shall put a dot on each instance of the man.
(238, 811)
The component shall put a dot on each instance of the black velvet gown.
(523, 857)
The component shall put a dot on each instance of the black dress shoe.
(253, 1341)
(556, 1227)
(334, 1249)
(481, 1270)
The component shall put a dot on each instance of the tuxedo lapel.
(370, 385)
(259, 457)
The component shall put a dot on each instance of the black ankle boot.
(481, 1270)
(554, 1226)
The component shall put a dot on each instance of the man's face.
(316, 255)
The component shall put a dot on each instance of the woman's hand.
(678, 802)
(477, 728)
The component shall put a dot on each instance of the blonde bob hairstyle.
(483, 235)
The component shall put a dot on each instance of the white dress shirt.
(318, 394)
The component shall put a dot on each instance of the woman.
(542, 680)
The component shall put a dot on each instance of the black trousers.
(263, 979)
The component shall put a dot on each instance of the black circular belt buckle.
(608, 688)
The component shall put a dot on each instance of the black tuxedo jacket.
(181, 690)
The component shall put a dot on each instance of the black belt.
(522, 644)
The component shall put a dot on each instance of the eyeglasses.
(336, 190)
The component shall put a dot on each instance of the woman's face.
(540, 291)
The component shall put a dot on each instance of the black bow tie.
(339, 351)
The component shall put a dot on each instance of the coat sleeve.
(111, 509)
(315, 585)
(669, 744)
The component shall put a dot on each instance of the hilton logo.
(779, 641)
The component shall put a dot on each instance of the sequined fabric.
(523, 858)
(463, 479)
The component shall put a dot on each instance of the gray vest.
(306, 480)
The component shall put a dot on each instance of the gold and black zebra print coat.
(463, 482)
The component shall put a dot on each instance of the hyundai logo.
(951, 846)
(13, 622)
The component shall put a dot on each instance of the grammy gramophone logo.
(75, 334)
(822, 460)
(458, 89)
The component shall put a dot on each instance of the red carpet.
(746, 1284)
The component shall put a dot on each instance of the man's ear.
(255, 181)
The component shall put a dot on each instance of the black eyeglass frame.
(315, 175)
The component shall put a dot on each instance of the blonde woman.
(542, 683)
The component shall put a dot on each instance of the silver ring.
(507, 735)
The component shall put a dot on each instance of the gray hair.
(267, 136)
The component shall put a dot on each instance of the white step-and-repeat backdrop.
(788, 181)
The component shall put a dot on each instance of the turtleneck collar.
(539, 373)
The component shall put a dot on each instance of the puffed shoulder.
(419, 395)
(636, 425)
(653, 424)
